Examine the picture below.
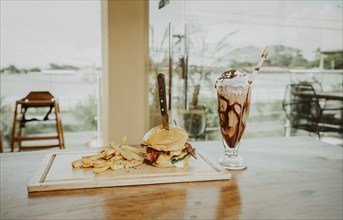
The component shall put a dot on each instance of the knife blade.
(163, 100)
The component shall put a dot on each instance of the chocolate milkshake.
(233, 92)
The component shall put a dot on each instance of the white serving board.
(56, 173)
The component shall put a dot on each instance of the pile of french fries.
(114, 157)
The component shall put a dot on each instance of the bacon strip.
(151, 155)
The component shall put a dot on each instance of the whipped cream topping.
(232, 78)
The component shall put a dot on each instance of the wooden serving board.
(56, 173)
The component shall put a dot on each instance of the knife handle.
(162, 93)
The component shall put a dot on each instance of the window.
(52, 46)
(232, 34)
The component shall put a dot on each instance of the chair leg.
(20, 137)
(1, 147)
(59, 126)
(14, 129)
(14, 133)
(60, 133)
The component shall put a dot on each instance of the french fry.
(109, 151)
(114, 157)
(126, 154)
(133, 163)
(87, 164)
(117, 166)
(108, 157)
(117, 158)
(101, 169)
(115, 147)
(133, 155)
(124, 140)
(100, 163)
(100, 154)
(133, 149)
(77, 163)
(103, 164)
(84, 157)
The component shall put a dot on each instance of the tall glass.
(233, 90)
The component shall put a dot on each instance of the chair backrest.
(301, 105)
(316, 85)
(37, 99)
(39, 96)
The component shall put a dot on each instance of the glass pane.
(52, 46)
(305, 42)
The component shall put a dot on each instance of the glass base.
(232, 161)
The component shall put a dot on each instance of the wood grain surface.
(286, 178)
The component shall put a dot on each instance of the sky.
(36, 33)
(306, 25)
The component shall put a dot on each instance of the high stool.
(41, 101)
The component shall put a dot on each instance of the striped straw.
(259, 64)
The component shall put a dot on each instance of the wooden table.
(330, 95)
(287, 178)
(338, 96)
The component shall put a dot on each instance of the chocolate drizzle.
(227, 75)
(233, 116)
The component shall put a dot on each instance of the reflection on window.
(52, 46)
(305, 42)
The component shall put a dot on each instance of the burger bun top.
(161, 139)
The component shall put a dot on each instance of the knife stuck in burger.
(166, 145)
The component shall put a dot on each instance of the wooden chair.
(43, 104)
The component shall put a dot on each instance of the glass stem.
(231, 152)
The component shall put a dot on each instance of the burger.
(167, 148)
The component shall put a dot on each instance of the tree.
(6, 117)
(280, 55)
(86, 113)
(11, 69)
(337, 58)
(54, 66)
(284, 56)
(35, 69)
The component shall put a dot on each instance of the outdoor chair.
(305, 111)
(37, 108)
